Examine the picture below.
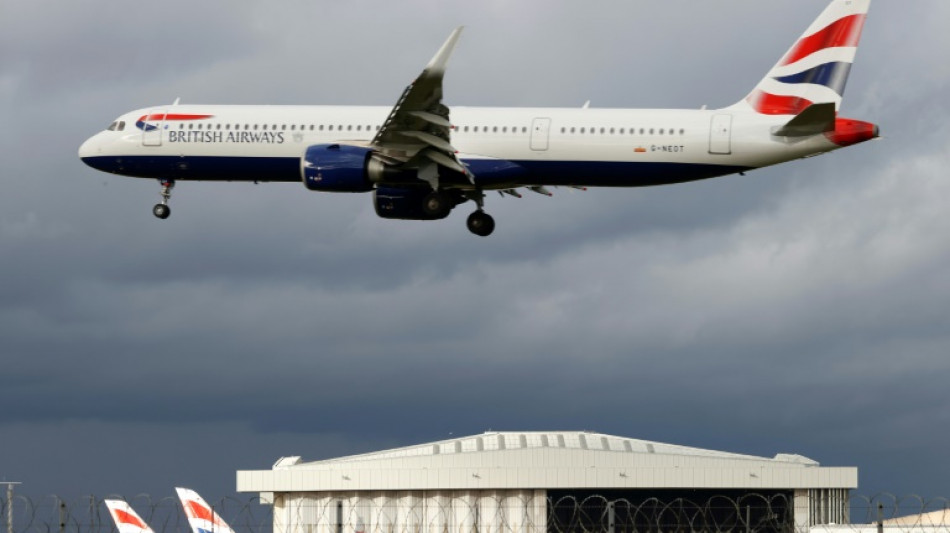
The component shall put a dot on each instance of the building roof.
(569, 440)
(541, 460)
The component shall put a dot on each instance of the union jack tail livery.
(815, 69)
(201, 517)
(125, 518)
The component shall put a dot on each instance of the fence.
(750, 513)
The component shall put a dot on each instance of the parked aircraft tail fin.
(125, 518)
(201, 517)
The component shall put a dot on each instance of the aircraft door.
(720, 135)
(540, 131)
(152, 125)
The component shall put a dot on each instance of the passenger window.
(505, 129)
(330, 127)
(255, 126)
(583, 130)
(349, 127)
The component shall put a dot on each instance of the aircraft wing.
(417, 133)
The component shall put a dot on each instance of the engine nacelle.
(406, 204)
(336, 168)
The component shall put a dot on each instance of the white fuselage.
(557, 146)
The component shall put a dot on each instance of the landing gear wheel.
(481, 223)
(436, 204)
(161, 211)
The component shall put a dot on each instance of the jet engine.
(336, 168)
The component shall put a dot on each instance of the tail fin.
(125, 518)
(815, 69)
(201, 517)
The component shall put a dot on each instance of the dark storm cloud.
(797, 309)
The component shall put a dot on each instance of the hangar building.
(551, 482)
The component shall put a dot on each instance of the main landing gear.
(479, 222)
(438, 204)
(162, 210)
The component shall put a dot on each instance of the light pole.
(10, 485)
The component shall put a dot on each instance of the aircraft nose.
(89, 149)
(91, 152)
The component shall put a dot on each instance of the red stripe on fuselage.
(171, 116)
(844, 32)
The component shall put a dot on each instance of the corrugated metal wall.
(488, 511)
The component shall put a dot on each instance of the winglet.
(441, 58)
(814, 120)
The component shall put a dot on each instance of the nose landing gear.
(162, 210)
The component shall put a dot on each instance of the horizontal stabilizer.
(814, 120)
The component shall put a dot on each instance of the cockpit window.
(112, 126)
(121, 126)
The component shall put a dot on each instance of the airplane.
(421, 158)
(125, 518)
(201, 516)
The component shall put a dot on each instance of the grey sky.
(799, 309)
